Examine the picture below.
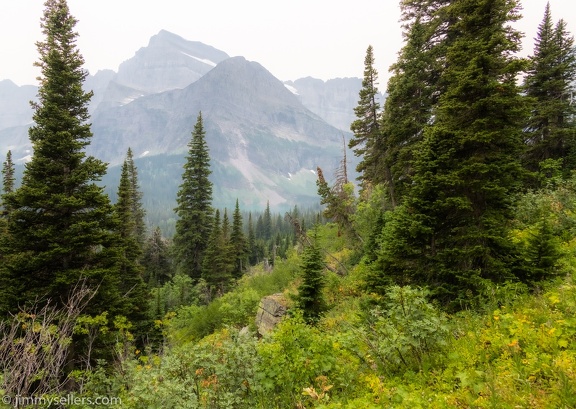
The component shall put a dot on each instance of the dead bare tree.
(36, 343)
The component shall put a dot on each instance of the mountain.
(168, 62)
(264, 144)
(15, 107)
(333, 100)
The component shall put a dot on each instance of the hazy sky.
(319, 38)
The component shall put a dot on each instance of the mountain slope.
(333, 100)
(168, 62)
(15, 107)
(264, 144)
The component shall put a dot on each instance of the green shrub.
(405, 331)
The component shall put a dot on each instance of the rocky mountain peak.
(168, 62)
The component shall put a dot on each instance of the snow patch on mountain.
(204, 60)
(291, 89)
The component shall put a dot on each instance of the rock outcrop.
(270, 312)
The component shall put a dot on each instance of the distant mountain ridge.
(259, 134)
(264, 141)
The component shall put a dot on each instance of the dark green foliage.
(549, 83)
(366, 128)
(266, 229)
(156, 259)
(61, 222)
(217, 266)
(8, 177)
(254, 255)
(239, 246)
(138, 212)
(132, 286)
(542, 254)
(412, 92)
(194, 206)
(310, 299)
(7, 295)
(455, 234)
(373, 243)
(177, 291)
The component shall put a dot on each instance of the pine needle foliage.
(550, 130)
(454, 234)
(194, 205)
(61, 223)
(310, 299)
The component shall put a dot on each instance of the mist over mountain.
(15, 107)
(333, 100)
(266, 137)
(264, 144)
(168, 62)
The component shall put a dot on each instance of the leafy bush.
(293, 358)
(405, 331)
(217, 372)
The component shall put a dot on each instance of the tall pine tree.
(451, 233)
(217, 266)
(61, 221)
(8, 179)
(412, 92)
(238, 243)
(253, 248)
(7, 295)
(156, 260)
(194, 206)
(550, 131)
(132, 285)
(367, 125)
(138, 212)
(8, 176)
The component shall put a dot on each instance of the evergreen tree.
(8, 283)
(8, 176)
(225, 226)
(156, 260)
(549, 82)
(217, 271)
(452, 233)
(194, 206)
(412, 92)
(267, 223)
(339, 199)
(366, 128)
(61, 222)
(259, 231)
(252, 248)
(542, 253)
(138, 212)
(310, 299)
(238, 243)
(8, 179)
(132, 285)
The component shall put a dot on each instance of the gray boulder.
(270, 312)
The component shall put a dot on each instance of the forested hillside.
(443, 277)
